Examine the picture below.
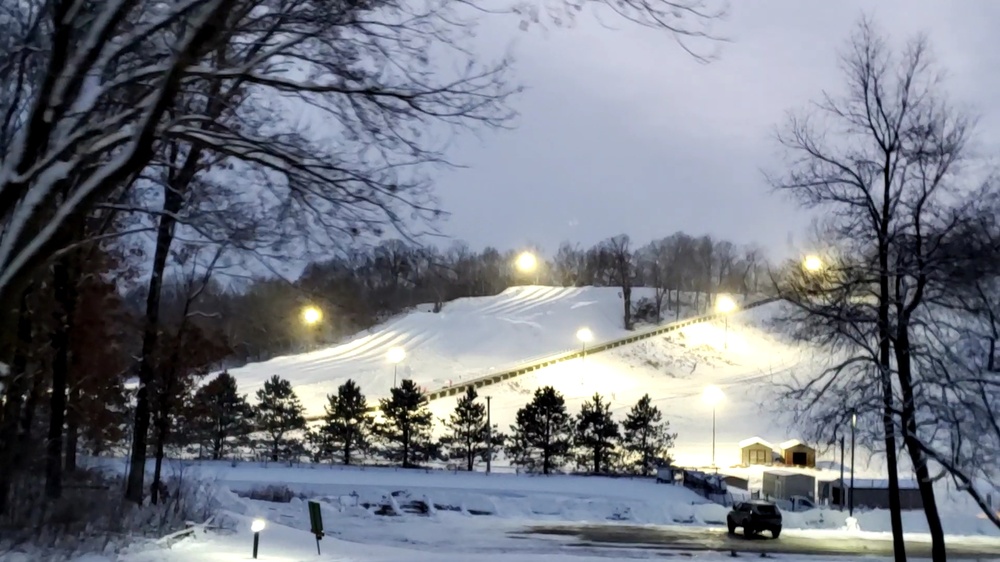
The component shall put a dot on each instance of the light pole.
(712, 395)
(842, 498)
(527, 264)
(725, 305)
(850, 496)
(257, 526)
(585, 336)
(395, 356)
(489, 436)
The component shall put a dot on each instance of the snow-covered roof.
(789, 444)
(755, 441)
(780, 472)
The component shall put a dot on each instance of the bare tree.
(617, 253)
(883, 161)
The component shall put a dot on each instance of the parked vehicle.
(795, 504)
(754, 517)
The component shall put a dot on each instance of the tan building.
(756, 451)
(796, 453)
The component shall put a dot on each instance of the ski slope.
(470, 337)
(745, 360)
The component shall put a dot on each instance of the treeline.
(262, 320)
(218, 423)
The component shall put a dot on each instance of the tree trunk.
(172, 202)
(162, 426)
(17, 385)
(910, 439)
(885, 355)
(63, 285)
(627, 301)
(72, 426)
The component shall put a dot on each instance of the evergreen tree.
(542, 436)
(646, 437)
(406, 431)
(596, 434)
(346, 426)
(278, 412)
(468, 431)
(221, 414)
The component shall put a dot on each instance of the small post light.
(257, 526)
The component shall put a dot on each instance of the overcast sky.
(621, 131)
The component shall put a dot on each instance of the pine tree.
(347, 425)
(646, 437)
(596, 433)
(543, 432)
(405, 432)
(221, 414)
(468, 431)
(278, 412)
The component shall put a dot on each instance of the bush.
(644, 310)
(92, 515)
(273, 493)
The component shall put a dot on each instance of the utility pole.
(842, 491)
(489, 437)
(850, 497)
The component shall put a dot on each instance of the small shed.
(756, 451)
(874, 493)
(797, 453)
(783, 484)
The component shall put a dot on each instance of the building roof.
(791, 443)
(779, 472)
(755, 441)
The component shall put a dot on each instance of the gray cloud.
(621, 131)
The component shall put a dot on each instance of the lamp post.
(585, 336)
(850, 494)
(257, 526)
(725, 305)
(489, 436)
(527, 264)
(395, 356)
(712, 395)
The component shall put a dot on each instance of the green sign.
(316, 522)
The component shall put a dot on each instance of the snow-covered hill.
(468, 338)
(471, 337)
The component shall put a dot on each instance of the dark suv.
(755, 516)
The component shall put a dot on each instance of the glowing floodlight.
(396, 355)
(311, 315)
(256, 526)
(812, 263)
(526, 262)
(725, 304)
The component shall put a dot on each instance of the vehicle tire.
(749, 531)
(776, 533)
(732, 526)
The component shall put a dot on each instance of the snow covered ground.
(486, 518)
